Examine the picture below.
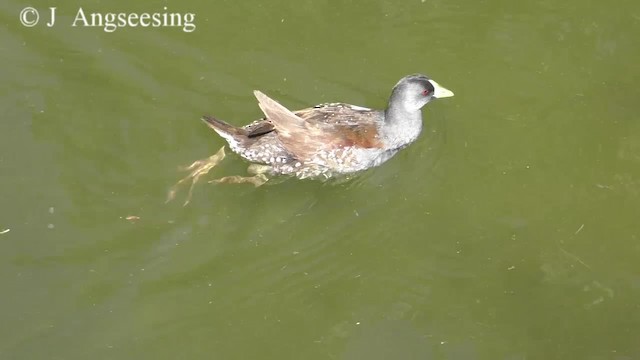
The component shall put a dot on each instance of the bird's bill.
(439, 91)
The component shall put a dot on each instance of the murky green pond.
(509, 230)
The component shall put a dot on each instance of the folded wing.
(321, 129)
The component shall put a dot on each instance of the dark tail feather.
(224, 127)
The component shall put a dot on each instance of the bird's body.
(342, 133)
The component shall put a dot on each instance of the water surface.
(507, 231)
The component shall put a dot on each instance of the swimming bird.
(325, 140)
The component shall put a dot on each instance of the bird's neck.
(401, 126)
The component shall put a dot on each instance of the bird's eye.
(425, 92)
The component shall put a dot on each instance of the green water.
(509, 230)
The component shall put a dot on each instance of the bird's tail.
(224, 129)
